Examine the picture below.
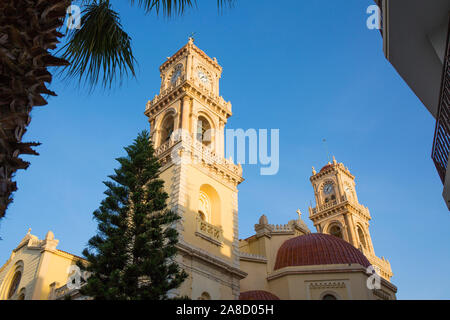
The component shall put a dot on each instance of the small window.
(14, 284)
(205, 296)
(329, 297)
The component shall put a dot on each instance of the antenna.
(326, 149)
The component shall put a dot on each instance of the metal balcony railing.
(441, 143)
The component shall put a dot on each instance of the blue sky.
(309, 68)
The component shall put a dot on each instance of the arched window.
(203, 131)
(14, 284)
(204, 207)
(336, 231)
(362, 238)
(205, 296)
(209, 204)
(166, 128)
(329, 296)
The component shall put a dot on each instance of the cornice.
(185, 50)
(340, 208)
(319, 269)
(207, 257)
(187, 87)
(338, 167)
(244, 256)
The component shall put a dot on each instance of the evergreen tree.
(132, 256)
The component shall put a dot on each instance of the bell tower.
(339, 213)
(187, 120)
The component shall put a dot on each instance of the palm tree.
(98, 53)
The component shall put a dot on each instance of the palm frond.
(100, 49)
(173, 7)
(167, 7)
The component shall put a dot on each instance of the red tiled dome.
(316, 249)
(257, 295)
(329, 165)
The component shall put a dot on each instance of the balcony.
(209, 232)
(363, 210)
(441, 143)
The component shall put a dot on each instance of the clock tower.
(187, 120)
(339, 213)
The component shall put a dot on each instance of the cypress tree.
(132, 255)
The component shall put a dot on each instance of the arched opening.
(329, 296)
(167, 127)
(204, 131)
(209, 204)
(14, 284)
(204, 206)
(205, 296)
(362, 238)
(336, 231)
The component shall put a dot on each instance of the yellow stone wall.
(41, 265)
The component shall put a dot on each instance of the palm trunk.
(28, 30)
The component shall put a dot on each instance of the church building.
(187, 124)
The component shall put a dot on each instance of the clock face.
(328, 188)
(176, 75)
(203, 77)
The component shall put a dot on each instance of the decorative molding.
(186, 87)
(327, 285)
(252, 257)
(206, 257)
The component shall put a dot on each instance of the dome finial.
(334, 160)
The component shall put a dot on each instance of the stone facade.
(187, 121)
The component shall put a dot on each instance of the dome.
(328, 165)
(257, 295)
(317, 249)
